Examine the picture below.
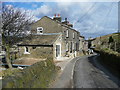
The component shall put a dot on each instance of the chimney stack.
(58, 15)
(54, 15)
(66, 22)
(57, 18)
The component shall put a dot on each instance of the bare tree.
(14, 23)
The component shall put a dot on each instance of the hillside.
(110, 41)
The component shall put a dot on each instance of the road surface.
(86, 75)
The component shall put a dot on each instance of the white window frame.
(39, 30)
(26, 52)
(67, 33)
(73, 35)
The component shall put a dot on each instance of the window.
(67, 33)
(34, 47)
(26, 50)
(39, 30)
(73, 35)
(73, 46)
(67, 47)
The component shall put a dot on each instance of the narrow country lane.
(86, 75)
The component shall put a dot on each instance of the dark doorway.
(57, 50)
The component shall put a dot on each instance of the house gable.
(48, 25)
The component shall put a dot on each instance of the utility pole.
(119, 17)
(118, 41)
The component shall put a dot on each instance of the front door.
(57, 50)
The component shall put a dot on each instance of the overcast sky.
(92, 19)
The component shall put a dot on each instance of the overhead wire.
(104, 19)
(85, 14)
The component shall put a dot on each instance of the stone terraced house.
(54, 35)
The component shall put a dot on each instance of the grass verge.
(39, 75)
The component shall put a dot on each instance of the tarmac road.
(86, 75)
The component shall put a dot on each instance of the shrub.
(38, 75)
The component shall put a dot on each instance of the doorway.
(58, 50)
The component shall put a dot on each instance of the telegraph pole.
(118, 43)
(119, 17)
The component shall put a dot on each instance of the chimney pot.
(54, 15)
(58, 15)
(58, 18)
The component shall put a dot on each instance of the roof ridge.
(58, 23)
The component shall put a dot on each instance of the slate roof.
(63, 25)
(39, 40)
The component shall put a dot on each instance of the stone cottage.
(54, 35)
(81, 43)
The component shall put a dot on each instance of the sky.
(91, 19)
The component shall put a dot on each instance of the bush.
(38, 75)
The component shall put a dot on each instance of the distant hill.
(111, 41)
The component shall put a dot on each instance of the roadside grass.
(8, 72)
(115, 45)
(115, 36)
(39, 75)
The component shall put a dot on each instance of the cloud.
(43, 10)
(36, 14)
(87, 17)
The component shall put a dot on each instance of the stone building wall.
(36, 52)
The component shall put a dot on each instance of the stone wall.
(110, 59)
(36, 52)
